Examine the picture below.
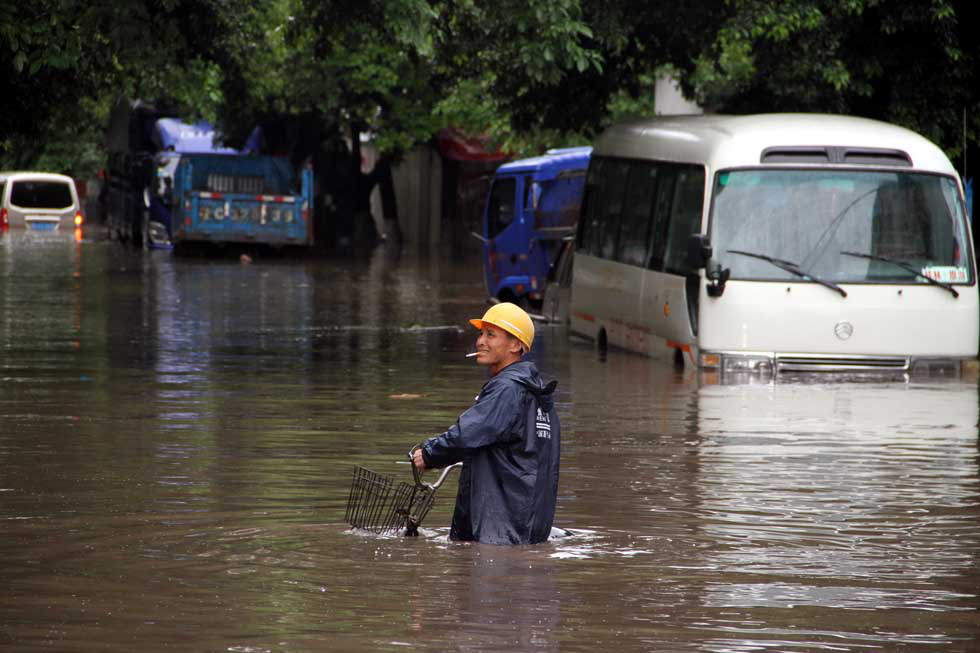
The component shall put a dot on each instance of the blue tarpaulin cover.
(183, 138)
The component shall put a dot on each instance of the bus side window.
(500, 209)
(634, 233)
(613, 184)
(666, 177)
(685, 217)
(588, 223)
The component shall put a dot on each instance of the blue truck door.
(500, 228)
(538, 241)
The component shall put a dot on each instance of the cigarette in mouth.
(472, 354)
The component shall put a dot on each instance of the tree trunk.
(389, 201)
(363, 228)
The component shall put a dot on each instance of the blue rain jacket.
(508, 441)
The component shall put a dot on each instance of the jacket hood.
(526, 373)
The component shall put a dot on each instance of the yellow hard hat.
(512, 319)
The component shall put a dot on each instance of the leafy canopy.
(528, 74)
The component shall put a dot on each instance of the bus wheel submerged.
(678, 358)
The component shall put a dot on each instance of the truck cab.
(531, 206)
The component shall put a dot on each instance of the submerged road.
(177, 438)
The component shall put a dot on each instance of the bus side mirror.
(698, 251)
(717, 279)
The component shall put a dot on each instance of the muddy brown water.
(177, 438)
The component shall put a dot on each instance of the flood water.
(177, 438)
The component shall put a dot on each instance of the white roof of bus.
(723, 141)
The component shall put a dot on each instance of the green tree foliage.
(529, 74)
(914, 63)
(65, 62)
(50, 68)
(399, 68)
(631, 43)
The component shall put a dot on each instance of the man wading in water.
(508, 441)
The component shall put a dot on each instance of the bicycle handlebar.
(418, 474)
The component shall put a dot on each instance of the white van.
(776, 243)
(38, 200)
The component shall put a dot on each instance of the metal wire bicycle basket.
(375, 504)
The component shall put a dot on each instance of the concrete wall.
(668, 99)
(418, 189)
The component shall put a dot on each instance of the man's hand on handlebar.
(418, 460)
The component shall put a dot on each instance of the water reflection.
(844, 497)
(480, 610)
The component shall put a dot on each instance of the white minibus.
(776, 243)
(38, 200)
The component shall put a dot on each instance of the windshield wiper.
(792, 268)
(907, 267)
(828, 233)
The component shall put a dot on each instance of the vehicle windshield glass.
(812, 217)
(32, 194)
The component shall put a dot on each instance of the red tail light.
(3, 218)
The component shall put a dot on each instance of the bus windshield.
(841, 226)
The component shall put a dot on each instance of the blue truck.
(169, 183)
(532, 205)
(245, 199)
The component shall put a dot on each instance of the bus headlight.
(749, 363)
(747, 367)
(758, 363)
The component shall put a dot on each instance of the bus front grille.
(817, 363)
